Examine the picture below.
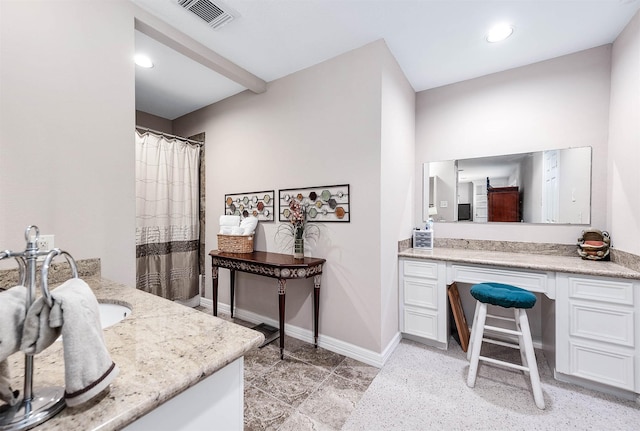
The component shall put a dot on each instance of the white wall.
(66, 136)
(397, 203)
(150, 121)
(558, 103)
(623, 176)
(319, 126)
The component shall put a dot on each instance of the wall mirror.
(552, 186)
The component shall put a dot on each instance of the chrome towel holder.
(35, 407)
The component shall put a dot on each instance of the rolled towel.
(88, 367)
(249, 224)
(229, 220)
(225, 230)
(13, 307)
(237, 230)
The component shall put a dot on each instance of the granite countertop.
(162, 348)
(568, 264)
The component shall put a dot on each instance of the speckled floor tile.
(291, 344)
(318, 356)
(356, 371)
(291, 380)
(262, 411)
(333, 401)
(418, 388)
(310, 389)
(258, 362)
(301, 422)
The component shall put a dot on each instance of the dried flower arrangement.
(298, 228)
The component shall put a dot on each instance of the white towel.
(225, 230)
(229, 220)
(7, 394)
(237, 230)
(38, 334)
(13, 307)
(88, 367)
(249, 225)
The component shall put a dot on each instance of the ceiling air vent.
(213, 14)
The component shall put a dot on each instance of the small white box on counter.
(423, 239)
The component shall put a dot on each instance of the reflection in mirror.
(551, 186)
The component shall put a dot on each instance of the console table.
(274, 265)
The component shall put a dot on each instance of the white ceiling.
(435, 42)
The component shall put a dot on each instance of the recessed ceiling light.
(143, 61)
(499, 32)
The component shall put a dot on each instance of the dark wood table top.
(268, 258)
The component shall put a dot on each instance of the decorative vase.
(298, 248)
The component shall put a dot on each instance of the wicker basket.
(235, 243)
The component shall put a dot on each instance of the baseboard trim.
(333, 344)
(595, 386)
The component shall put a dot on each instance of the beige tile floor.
(310, 389)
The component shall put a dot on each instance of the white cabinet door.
(596, 330)
(423, 302)
(421, 293)
(602, 363)
(421, 322)
(214, 403)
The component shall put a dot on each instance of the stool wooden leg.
(531, 360)
(473, 328)
(523, 355)
(479, 319)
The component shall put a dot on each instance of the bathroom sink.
(110, 313)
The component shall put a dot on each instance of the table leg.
(282, 286)
(233, 290)
(316, 306)
(214, 276)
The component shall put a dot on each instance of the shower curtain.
(167, 221)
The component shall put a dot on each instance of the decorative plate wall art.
(258, 204)
(322, 204)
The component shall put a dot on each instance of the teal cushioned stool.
(505, 296)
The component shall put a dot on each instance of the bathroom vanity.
(590, 309)
(179, 368)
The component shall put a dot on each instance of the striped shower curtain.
(167, 222)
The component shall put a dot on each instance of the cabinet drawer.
(602, 323)
(420, 269)
(421, 293)
(602, 364)
(532, 281)
(601, 290)
(423, 323)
